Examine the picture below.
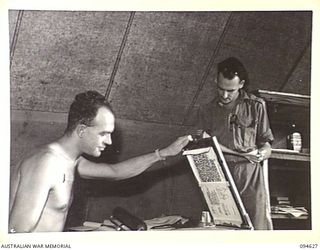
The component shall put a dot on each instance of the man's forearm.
(118, 171)
(228, 150)
(135, 166)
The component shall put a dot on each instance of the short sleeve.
(264, 132)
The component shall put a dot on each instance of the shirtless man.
(41, 190)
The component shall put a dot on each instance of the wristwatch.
(160, 158)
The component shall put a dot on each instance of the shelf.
(287, 108)
(289, 170)
(288, 217)
(284, 98)
(284, 154)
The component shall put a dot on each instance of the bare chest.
(60, 196)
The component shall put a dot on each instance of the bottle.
(294, 140)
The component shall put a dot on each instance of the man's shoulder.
(40, 160)
(41, 167)
(252, 98)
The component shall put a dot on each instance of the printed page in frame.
(216, 183)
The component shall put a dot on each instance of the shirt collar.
(243, 95)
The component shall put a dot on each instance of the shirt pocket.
(245, 132)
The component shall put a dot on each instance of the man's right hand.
(253, 156)
(176, 147)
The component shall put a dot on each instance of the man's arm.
(264, 152)
(257, 155)
(30, 196)
(130, 167)
(229, 151)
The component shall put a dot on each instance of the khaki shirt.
(243, 128)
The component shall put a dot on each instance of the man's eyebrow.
(90, 124)
(226, 89)
(105, 132)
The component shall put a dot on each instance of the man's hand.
(254, 156)
(202, 134)
(175, 147)
(259, 155)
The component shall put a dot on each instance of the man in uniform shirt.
(41, 189)
(239, 121)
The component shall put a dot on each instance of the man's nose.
(108, 140)
(225, 94)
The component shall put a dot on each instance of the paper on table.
(293, 211)
(165, 221)
(87, 226)
(92, 224)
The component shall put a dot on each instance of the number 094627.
(308, 246)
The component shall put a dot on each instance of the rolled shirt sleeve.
(264, 132)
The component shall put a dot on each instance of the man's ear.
(81, 129)
(241, 83)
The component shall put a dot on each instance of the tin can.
(205, 218)
(295, 141)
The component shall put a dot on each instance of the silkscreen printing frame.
(216, 183)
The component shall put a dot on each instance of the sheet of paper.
(214, 186)
(206, 167)
(221, 203)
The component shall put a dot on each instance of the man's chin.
(224, 102)
(97, 154)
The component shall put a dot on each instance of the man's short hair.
(84, 109)
(232, 67)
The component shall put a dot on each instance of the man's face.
(98, 134)
(228, 90)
